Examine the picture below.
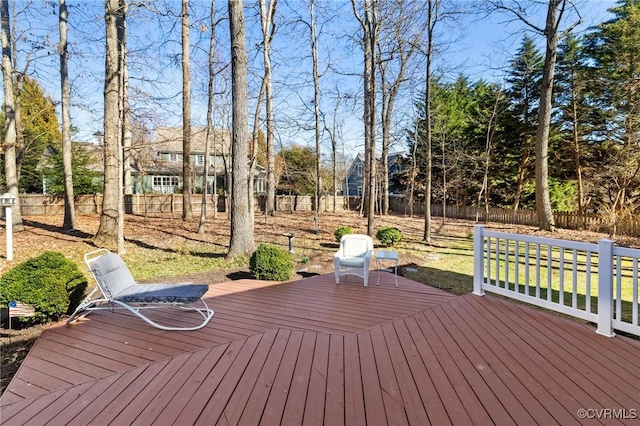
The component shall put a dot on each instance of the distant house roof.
(96, 153)
(169, 139)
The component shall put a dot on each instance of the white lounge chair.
(353, 257)
(121, 291)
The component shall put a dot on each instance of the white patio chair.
(353, 257)
(119, 290)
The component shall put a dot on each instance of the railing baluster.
(526, 269)
(498, 262)
(588, 284)
(549, 272)
(618, 273)
(574, 288)
(489, 260)
(517, 266)
(561, 283)
(537, 271)
(506, 263)
(634, 283)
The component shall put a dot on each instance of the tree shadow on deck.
(449, 281)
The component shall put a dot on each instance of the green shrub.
(270, 263)
(389, 236)
(343, 230)
(51, 283)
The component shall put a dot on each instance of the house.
(354, 181)
(157, 166)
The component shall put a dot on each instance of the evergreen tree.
(484, 131)
(451, 110)
(524, 91)
(613, 48)
(39, 130)
(572, 116)
(85, 180)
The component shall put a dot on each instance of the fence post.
(478, 260)
(605, 287)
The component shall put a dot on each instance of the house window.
(199, 160)
(359, 191)
(165, 184)
(173, 157)
(359, 169)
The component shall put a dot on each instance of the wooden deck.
(311, 352)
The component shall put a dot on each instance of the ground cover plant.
(163, 246)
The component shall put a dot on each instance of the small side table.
(387, 255)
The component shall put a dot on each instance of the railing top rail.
(626, 251)
(574, 245)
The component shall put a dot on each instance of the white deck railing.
(594, 282)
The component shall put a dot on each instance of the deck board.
(314, 352)
(559, 351)
(280, 390)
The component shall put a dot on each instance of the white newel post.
(7, 200)
(478, 260)
(605, 287)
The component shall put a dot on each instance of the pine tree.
(524, 80)
(613, 49)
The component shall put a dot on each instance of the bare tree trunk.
(414, 172)
(369, 37)
(268, 31)
(333, 134)
(125, 122)
(9, 142)
(108, 231)
(386, 113)
(316, 106)
(543, 201)
(127, 177)
(127, 168)
(432, 13)
(552, 36)
(253, 148)
(487, 150)
(444, 178)
(187, 211)
(241, 241)
(576, 158)
(69, 221)
(400, 54)
(208, 137)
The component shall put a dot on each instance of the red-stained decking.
(311, 352)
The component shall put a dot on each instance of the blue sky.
(478, 47)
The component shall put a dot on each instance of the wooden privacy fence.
(38, 204)
(564, 220)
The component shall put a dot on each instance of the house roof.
(96, 152)
(169, 139)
